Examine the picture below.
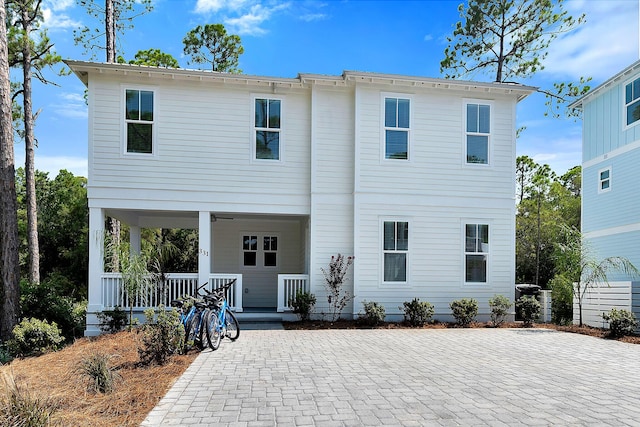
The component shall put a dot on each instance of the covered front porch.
(266, 254)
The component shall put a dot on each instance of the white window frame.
(384, 251)
(601, 180)
(384, 128)
(487, 253)
(465, 133)
(254, 128)
(627, 104)
(260, 235)
(125, 121)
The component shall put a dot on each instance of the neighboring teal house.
(611, 187)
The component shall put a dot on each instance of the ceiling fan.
(215, 217)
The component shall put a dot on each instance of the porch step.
(259, 321)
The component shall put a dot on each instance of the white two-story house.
(413, 176)
(610, 182)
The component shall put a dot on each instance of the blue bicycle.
(192, 317)
(220, 321)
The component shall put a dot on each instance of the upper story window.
(478, 131)
(396, 128)
(604, 180)
(395, 248)
(267, 128)
(632, 101)
(476, 253)
(139, 121)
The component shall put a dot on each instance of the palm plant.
(577, 259)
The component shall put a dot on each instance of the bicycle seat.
(177, 303)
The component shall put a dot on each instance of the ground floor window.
(476, 252)
(395, 248)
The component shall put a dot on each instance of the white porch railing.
(288, 286)
(176, 286)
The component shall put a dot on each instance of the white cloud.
(428, 37)
(59, 4)
(70, 105)
(58, 20)
(309, 17)
(604, 45)
(53, 164)
(243, 17)
(209, 6)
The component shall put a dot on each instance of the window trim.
(476, 222)
(260, 235)
(125, 121)
(407, 252)
(281, 130)
(384, 128)
(600, 180)
(625, 105)
(465, 134)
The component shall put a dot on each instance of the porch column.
(134, 240)
(204, 247)
(96, 268)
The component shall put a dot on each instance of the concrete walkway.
(405, 377)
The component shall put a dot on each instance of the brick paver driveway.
(408, 377)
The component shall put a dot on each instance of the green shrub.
(47, 301)
(464, 311)
(374, 313)
(499, 305)
(528, 308)
(417, 313)
(161, 336)
(303, 304)
(102, 376)
(112, 321)
(621, 322)
(33, 337)
(562, 300)
(19, 408)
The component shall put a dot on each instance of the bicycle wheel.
(190, 332)
(233, 329)
(212, 325)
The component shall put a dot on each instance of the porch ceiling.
(183, 219)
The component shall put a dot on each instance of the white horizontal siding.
(436, 257)
(601, 299)
(437, 148)
(203, 142)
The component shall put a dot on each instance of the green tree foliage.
(210, 44)
(509, 40)
(63, 228)
(153, 58)
(546, 203)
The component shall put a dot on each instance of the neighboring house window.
(267, 128)
(476, 252)
(396, 128)
(250, 250)
(604, 180)
(270, 248)
(139, 121)
(477, 133)
(632, 101)
(395, 250)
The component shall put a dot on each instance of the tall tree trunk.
(29, 142)
(9, 261)
(110, 30)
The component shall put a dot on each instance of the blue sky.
(284, 38)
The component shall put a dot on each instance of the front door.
(260, 265)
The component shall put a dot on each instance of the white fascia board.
(622, 75)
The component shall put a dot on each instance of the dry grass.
(58, 377)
